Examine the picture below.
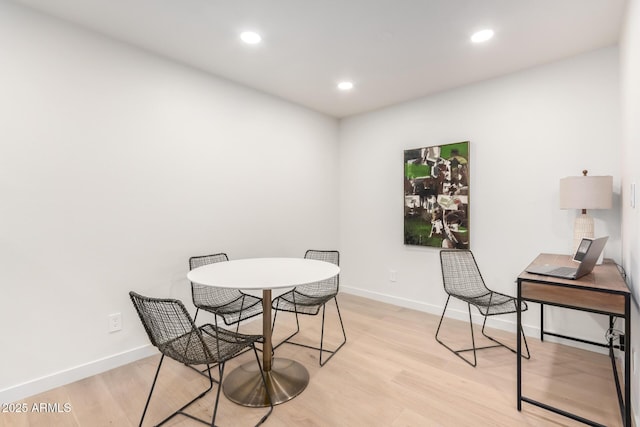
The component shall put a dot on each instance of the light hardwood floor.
(391, 372)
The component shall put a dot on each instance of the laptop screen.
(583, 247)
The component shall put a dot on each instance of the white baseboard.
(389, 299)
(57, 379)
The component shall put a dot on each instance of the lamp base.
(582, 227)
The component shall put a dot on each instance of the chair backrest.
(209, 295)
(170, 327)
(199, 261)
(460, 273)
(324, 287)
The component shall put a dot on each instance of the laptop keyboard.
(563, 271)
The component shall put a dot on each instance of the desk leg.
(627, 360)
(285, 378)
(519, 347)
(541, 322)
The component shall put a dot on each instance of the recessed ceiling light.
(345, 85)
(250, 37)
(482, 36)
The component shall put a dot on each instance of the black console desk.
(602, 291)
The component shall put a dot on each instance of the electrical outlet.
(393, 275)
(115, 322)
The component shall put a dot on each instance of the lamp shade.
(586, 192)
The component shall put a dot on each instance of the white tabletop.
(263, 273)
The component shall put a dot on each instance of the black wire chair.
(462, 280)
(173, 332)
(232, 305)
(308, 299)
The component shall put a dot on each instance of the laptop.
(586, 255)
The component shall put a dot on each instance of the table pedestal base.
(285, 380)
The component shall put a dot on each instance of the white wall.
(115, 167)
(526, 130)
(630, 90)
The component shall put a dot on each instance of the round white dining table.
(285, 378)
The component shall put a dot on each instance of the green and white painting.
(436, 196)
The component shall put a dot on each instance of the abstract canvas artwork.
(436, 196)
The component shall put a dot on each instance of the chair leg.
(528, 356)
(153, 385)
(273, 326)
(215, 406)
(473, 342)
(321, 348)
(217, 401)
(181, 410)
(344, 335)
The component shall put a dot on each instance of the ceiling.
(392, 50)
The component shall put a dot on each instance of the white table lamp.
(585, 192)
